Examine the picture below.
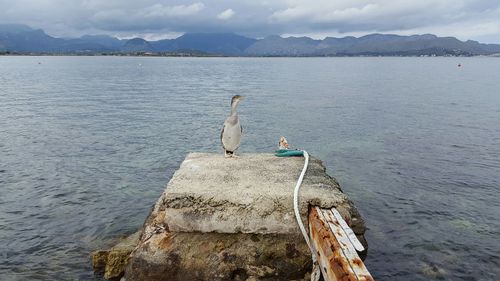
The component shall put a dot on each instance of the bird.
(230, 135)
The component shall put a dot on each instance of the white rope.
(315, 274)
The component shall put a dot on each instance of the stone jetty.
(230, 219)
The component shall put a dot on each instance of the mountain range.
(22, 39)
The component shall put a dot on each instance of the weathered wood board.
(336, 246)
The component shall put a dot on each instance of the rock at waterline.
(112, 262)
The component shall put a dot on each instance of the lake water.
(87, 145)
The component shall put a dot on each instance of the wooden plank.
(337, 256)
(345, 243)
(332, 262)
(348, 231)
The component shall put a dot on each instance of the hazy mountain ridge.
(216, 43)
(23, 39)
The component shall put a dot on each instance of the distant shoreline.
(188, 55)
(24, 40)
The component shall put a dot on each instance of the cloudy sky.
(155, 19)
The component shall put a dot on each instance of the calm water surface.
(87, 145)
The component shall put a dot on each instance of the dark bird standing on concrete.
(232, 130)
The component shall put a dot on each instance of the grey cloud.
(258, 18)
(156, 16)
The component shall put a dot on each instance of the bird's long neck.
(233, 109)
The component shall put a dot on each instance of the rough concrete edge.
(167, 258)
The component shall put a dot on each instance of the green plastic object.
(288, 153)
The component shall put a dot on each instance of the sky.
(153, 19)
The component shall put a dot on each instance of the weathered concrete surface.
(232, 219)
(250, 194)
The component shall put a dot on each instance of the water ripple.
(88, 143)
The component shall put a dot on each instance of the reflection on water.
(88, 143)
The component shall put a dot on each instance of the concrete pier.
(232, 219)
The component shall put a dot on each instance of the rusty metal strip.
(337, 256)
(348, 231)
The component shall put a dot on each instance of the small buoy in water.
(39, 63)
(459, 65)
